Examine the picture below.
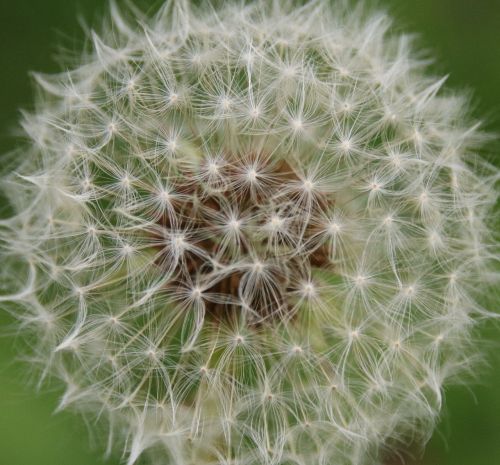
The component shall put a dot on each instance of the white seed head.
(250, 234)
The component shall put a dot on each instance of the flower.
(250, 234)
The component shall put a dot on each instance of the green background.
(464, 36)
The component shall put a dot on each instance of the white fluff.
(250, 235)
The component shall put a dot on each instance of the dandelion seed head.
(250, 233)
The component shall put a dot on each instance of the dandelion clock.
(252, 233)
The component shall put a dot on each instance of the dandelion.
(249, 234)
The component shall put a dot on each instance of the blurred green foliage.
(463, 35)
